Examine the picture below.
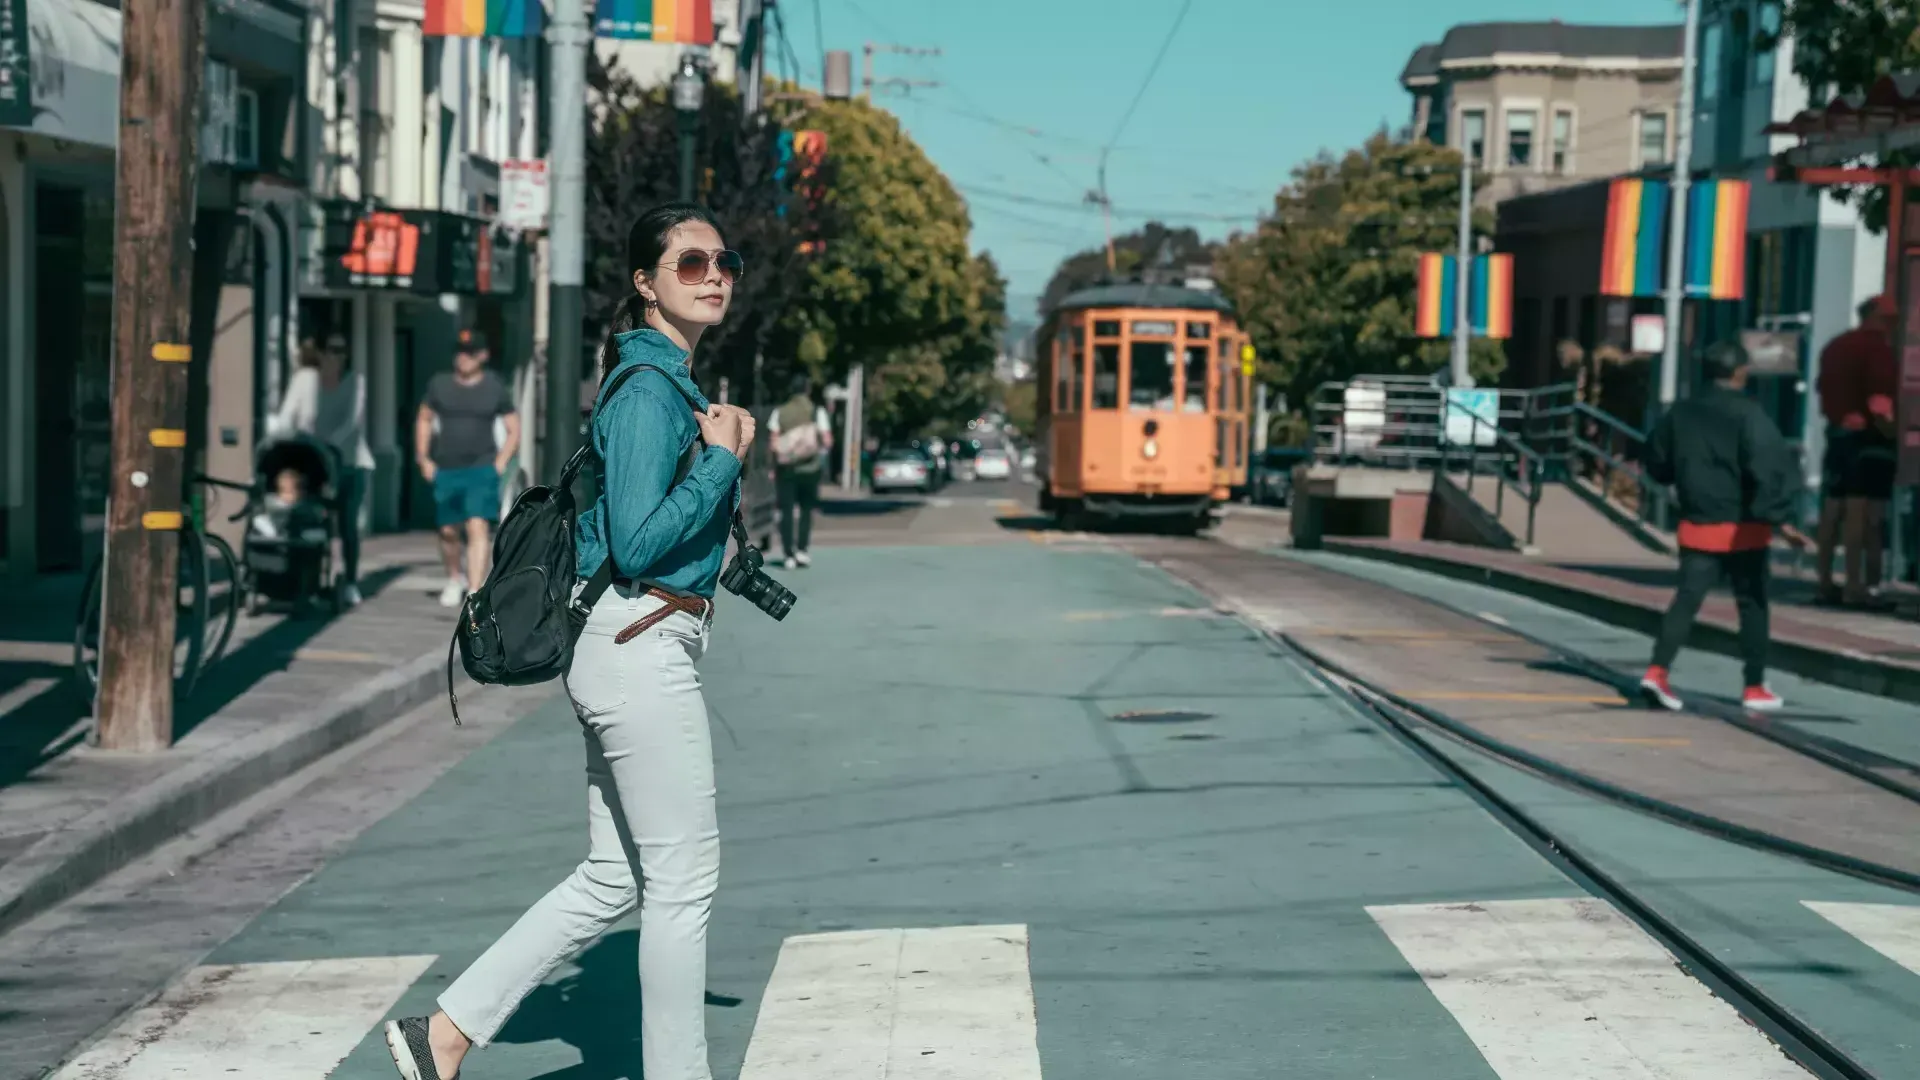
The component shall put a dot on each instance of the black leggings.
(1700, 571)
(799, 493)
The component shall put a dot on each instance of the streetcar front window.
(1196, 378)
(1151, 385)
(1106, 375)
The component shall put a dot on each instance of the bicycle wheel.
(189, 630)
(226, 595)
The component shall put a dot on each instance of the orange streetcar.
(1142, 405)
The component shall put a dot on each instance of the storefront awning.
(69, 52)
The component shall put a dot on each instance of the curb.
(69, 859)
(1848, 670)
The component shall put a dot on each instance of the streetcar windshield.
(1151, 387)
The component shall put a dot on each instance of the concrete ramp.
(1569, 525)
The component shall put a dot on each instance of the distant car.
(992, 465)
(902, 469)
(1272, 481)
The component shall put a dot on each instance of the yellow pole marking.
(338, 656)
(1490, 695)
(169, 438)
(171, 353)
(162, 520)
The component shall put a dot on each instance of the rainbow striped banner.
(1630, 253)
(683, 22)
(1716, 259)
(1489, 296)
(484, 18)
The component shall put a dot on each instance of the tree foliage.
(1841, 47)
(896, 288)
(1155, 246)
(633, 162)
(1327, 285)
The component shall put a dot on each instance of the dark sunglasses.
(692, 266)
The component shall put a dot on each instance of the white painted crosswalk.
(291, 1020)
(1892, 930)
(954, 1003)
(1562, 989)
(1553, 989)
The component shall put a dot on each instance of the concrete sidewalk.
(289, 690)
(1870, 652)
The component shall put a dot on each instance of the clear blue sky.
(1248, 90)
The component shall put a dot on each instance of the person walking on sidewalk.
(325, 400)
(1735, 478)
(463, 461)
(802, 435)
(1858, 377)
(669, 484)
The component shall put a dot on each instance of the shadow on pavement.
(49, 722)
(865, 507)
(596, 1011)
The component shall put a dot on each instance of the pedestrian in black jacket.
(1735, 479)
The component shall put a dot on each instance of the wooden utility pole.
(160, 62)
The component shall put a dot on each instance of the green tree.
(1154, 247)
(1841, 47)
(1326, 286)
(633, 154)
(896, 287)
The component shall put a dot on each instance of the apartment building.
(1541, 105)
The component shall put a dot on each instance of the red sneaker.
(1761, 699)
(1658, 691)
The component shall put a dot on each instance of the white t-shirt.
(820, 420)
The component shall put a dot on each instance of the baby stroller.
(293, 518)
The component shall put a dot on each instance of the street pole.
(1677, 230)
(1463, 279)
(152, 288)
(687, 122)
(566, 303)
(853, 437)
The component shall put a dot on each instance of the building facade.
(1542, 105)
(325, 126)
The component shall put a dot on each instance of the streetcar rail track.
(1405, 722)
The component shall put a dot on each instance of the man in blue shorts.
(454, 443)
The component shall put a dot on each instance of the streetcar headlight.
(1150, 450)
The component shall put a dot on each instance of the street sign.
(1463, 405)
(524, 197)
(1649, 334)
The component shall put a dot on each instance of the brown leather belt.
(671, 603)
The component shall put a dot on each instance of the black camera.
(744, 578)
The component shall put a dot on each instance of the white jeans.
(650, 817)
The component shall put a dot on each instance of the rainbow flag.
(683, 22)
(1630, 253)
(1489, 296)
(1716, 259)
(484, 18)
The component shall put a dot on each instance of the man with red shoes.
(1735, 478)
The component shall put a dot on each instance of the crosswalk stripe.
(289, 1020)
(952, 1003)
(1892, 930)
(1551, 989)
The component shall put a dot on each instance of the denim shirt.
(655, 531)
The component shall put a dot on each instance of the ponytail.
(627, 316)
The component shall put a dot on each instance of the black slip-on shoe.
(412, 1054)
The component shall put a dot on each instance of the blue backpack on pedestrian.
(519, 628)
